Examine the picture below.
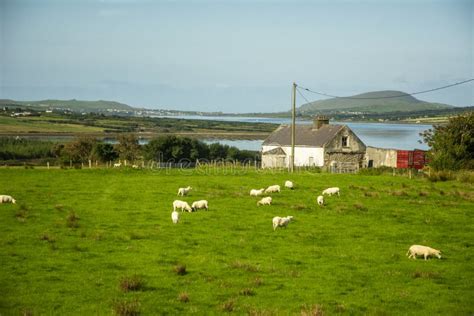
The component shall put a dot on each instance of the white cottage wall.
(304, 156)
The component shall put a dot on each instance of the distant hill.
(405, 103)
(74, 105)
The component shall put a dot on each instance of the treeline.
(163, 149)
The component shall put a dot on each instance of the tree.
(105, 152)
(128, 147)
(452, 145)
(80, 150)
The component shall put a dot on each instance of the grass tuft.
(244, 266)
(399, 193)
(180, 269)
(59, 207)
(314, 310)
(371, 194)
(423, 193)
(247, 292)
(360, 207)
(298, 207)
(47, 237)
(228, 306)
(131, 283)
(258, 281)
(21, 215)
(425, 275)
(183, 297)
(72, 220)
(130, 307)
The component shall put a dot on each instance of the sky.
(233, 56)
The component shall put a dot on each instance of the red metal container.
(404, 157)
(419, 160)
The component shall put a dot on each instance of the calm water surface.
(384, 135)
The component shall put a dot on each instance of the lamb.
(7, 199)
(320, 200)
(331, 191)
(265, 201)
(200, 204)
(182, 205)
(281, 221)
(289, 185)
(175, 217)
(184, 191)
(272, 189)
(117, 164)
(417, 250)
(255, 192)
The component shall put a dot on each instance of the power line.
(387, 97)
(301, 94)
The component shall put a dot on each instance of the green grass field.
(345, 258)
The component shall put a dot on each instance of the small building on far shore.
(321, 144)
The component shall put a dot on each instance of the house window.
(344, 141)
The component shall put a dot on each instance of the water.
(384, 135)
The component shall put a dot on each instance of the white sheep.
(417, 250)
(272, 189)
(184, 191)
(265, 201)
(200, 204)
(175, 217)
(7, 199)
(289, 184)
(255, 192)
(320, 200)
(331, 191)
(281, 221)
(117, 164)
(181, 205)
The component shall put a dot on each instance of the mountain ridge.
(372, 102)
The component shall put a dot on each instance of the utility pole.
(293, 121)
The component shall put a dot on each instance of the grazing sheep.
(289, 185)
(184, 191)
(320, 200)
(331, 191)
(7, 199)
(175, 217)
(182, 205)
(255, 192)
(200, 204)
(417, 250)
(134, 166)
(117, 164)
(265, 201)
(281, 221)
(272, 189)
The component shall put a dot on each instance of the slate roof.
(306, 135)
(275, 151)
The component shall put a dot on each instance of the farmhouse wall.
(381, 157)
(304, 156)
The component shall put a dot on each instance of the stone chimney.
(319, 121)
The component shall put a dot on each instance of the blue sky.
(233, 56)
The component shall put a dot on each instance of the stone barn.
(321, 144)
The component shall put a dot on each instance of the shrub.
(131, 283)
(442, 176)
(126, 307)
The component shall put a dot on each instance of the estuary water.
(384, 135)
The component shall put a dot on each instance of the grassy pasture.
(82, 242)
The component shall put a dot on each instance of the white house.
(320, 144)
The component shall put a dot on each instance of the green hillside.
(372, 102)
(75, 105)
